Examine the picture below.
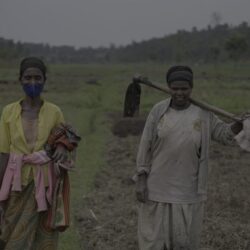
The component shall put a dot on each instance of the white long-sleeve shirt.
(174, 151)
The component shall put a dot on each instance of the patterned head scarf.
(179, 73)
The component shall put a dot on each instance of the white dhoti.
(170, 226)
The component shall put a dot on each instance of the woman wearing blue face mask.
(25, 174)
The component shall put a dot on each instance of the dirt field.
(108, 217)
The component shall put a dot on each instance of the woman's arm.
(5, 142)
(143, 161)
(224, 132)
(4, 157)
(144, 155)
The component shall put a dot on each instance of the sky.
(83, 23)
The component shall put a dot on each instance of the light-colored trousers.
(170, 226)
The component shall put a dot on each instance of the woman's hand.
(236, 127)
(141, 188)
(60, 153)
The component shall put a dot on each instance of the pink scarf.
(12, 177)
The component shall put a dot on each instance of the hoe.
(132, 103)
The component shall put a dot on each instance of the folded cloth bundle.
(65, 135)
(59, 214)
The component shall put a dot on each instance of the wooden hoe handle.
(203, 105)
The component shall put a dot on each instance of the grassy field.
(87, 106)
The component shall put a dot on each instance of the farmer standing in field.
(172, 166)
(34, 146)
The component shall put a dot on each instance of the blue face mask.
(33, 90)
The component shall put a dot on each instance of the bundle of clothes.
(59, 213)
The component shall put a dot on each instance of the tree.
(216, 19)
(236, 46)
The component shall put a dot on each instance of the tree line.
(211, 44)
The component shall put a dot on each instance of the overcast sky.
(100, 22)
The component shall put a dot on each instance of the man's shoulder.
(11, 107)
(51, 107)
(162, 104)
(203, 112)
(11, 111)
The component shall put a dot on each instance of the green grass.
(86, 107)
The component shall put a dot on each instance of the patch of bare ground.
(227, 217)
(128, 126)
(108, 218)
